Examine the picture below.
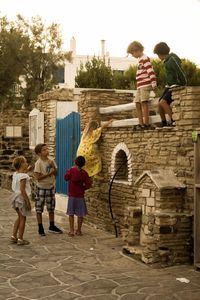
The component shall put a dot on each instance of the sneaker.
(138, 127)
(41, 232)
(164, 124)
(55, 229)
(147, 127)
(22, 242)
(171, 124)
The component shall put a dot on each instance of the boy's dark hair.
(18, 161)
(80, 161)
(161, 48)
(38, 148)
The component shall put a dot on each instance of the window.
(13, 131)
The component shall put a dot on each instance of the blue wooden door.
(67, 141)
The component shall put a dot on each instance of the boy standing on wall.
(146, 81)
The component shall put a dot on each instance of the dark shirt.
(79, 181)
(174, 71)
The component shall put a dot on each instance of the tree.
(94, 74)
(120, 80)
(192, 72)
(10, 68)
(30, 53)
(131, 75)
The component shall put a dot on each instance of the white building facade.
(116, 63)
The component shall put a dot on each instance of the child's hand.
(28, 205)
(52, 171)
(29, 168)
(51, 163)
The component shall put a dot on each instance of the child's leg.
(71, 224)
(22, 222)
(161, 112)
(79, 223)
(16, 224)
(145, 110)
(166, 108)
(39, 207)
(51, 203)
(39, 218)
(139, 113)
(40, 225)
(51, 217)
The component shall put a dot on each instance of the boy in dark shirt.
(175, 76)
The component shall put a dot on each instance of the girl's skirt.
(76, 206)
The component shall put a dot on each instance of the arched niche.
(121, 163)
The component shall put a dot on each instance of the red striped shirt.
(145, 74)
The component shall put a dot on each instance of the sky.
(118, 22)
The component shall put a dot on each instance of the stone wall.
(13, 146)
(92, 99)
(163, 148)
(47, 103)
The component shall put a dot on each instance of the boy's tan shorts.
(143, 94)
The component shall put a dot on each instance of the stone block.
(145, 193)
(150, 201)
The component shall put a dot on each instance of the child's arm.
(106, 124)
(88, 182)
(151, 73)
(40, 176)
(53, 170)
(67, 175)
(24, 194)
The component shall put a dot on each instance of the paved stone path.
(90, 267)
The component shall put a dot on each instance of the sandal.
(22, 242)
(13, 239)
(70, 234)
(79, 233)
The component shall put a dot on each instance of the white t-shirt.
(43, 167)
(17, 177)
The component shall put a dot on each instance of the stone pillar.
(186, 107)
(47, 103)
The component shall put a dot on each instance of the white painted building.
(116, 63)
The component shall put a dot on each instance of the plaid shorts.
(45, 196)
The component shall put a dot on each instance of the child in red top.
(79, 181)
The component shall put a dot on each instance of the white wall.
(64, 108)
(116, 63)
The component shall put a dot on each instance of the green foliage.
(30, 53)
(131, 75)
(120, 81)
(94, 74)
(10, 68)
(192, 72)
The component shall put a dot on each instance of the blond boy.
(146, 81)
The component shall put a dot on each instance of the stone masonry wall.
(165, 148)
(161, 148)
(11, 147)
(47, 103)
(162, 232)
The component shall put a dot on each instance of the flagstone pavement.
(89, 267)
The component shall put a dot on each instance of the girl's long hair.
(92, 125)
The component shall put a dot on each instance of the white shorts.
(143, 94)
